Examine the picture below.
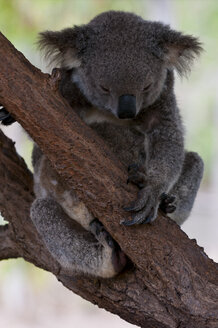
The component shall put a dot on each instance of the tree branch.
(8, 247)
(173, 284)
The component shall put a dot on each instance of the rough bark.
(172, 282)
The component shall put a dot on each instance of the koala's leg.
(76, 249)
(185, 189)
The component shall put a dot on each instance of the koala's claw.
(101, 234)
(145, 208)
(5, 117)
(167, 198)
(167, 203)
(141, 201)
(140, 218)
(134, 206)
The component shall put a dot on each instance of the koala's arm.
(165, 156)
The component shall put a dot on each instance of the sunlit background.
(30, 297)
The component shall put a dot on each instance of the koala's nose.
(127, 106)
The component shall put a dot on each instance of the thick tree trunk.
(172, 282)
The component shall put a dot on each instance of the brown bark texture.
(170, 282)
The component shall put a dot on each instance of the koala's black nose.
(127, 106)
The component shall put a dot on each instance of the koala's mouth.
(126, 107)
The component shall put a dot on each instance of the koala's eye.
(147, 87)
(104, 89)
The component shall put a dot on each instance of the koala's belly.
(127, 143)
(47, 183)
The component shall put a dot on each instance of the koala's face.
(119, 60)
(120, 79)
(118, 71)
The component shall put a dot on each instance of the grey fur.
(74, 248)
(119, 54)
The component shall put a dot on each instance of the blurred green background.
(30, 297)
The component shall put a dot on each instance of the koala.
(118, 75)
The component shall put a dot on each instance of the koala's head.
(119, 60)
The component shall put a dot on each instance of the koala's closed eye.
(147, 87)
(104, 89)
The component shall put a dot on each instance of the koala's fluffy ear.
(179, 50)
(64, 48)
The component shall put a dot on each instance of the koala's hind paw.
(98, 230)
(136, 176)
(118, 258)
(167, 204)
(5, 117)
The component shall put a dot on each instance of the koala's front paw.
(144, 208)
(5, 117)
(167, 204)
(136, 175)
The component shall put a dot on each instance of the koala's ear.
(179, 50)
(64, 48)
